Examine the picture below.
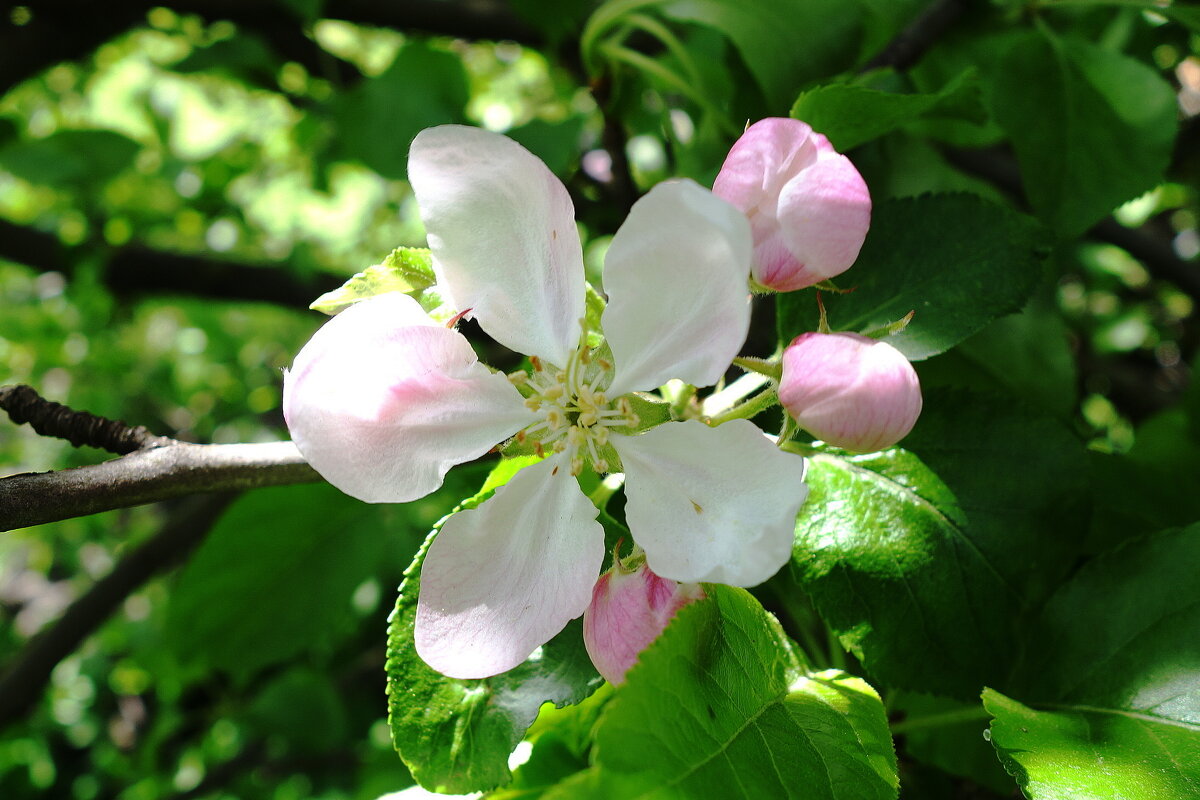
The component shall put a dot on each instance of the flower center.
(578, 417)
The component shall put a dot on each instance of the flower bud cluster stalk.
(809, 211)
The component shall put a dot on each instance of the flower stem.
(943, 719)
(607, 488)
(752, 407)
(799, 448)
(763, 366)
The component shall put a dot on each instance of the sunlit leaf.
(1076, 752)
(851, 115)
(719, 706)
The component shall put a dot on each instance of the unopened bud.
(853, 392)
(628, 611)
(808, 207)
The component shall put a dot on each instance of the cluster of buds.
(809, 211)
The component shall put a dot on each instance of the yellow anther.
(575, 436)
(536, 362)
(601, 465)
(556, 419)
(600, 435)
(604, 363)
(553, 392)
(521, 437)
(560, 445)
(576, 465)
(518, 378)
(585, 355)
(599, 399)
(561, 376)
(533, 404)
(587, 419)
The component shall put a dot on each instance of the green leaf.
(920, 560)
(1092, 128)
(1089, 753)
(1026, 354)
(850, 115)
(956, 260)
(275, 578)
(379, 118)
(70, 157)
(1124, 633)
(405, 269)
(785, 44)
(719, 706)
(456, 735)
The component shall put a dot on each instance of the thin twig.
(907, 47)
(25, 405)
(147, 476)
(23, 682)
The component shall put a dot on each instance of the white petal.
(502, 230)
(676, 277)
(502, 579)
(383, 403)
(711, 504)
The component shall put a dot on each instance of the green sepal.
(405, 269)
(594, 305)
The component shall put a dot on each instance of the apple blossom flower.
(383, 402)
(851, 391)
(809, 209)
(629, 609)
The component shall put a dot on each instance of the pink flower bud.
(851, 391)
(809, 209)
(628, 611)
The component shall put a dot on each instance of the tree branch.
(156, 467)
(133, 271)
(22, 684)
(907, 47)
(147, 476)
(68, 30)
(24, 405)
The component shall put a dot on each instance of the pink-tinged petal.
(824, 214)
(711, 504)
(809, 208)
(628, 611)
(761, 161)
(383, 403)
(502, 230)
(502, 579)
(678, 303)
(851, 391)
